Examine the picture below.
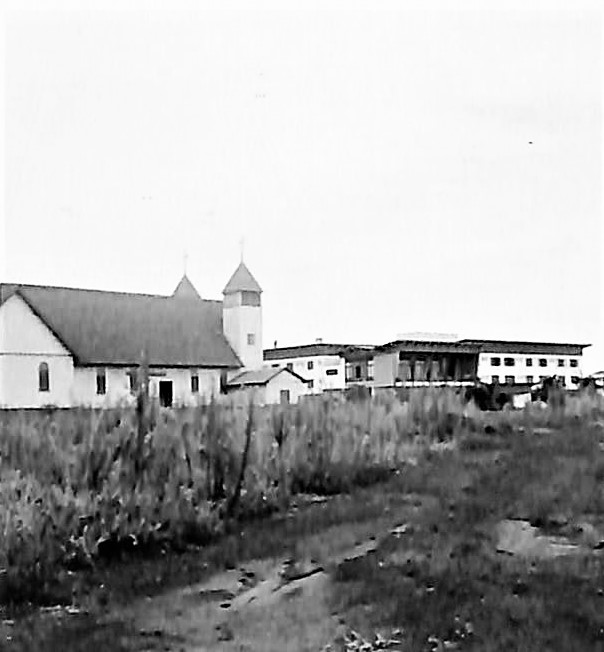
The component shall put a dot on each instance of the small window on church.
(251, 339)
(195, 384)
(43, 377)
(101, 382)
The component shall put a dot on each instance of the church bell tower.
(242, 317)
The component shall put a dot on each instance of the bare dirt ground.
(279, 599)
(264, 605)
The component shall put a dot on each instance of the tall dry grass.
(77, 485)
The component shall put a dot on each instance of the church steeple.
(242, 281)
(185, 289)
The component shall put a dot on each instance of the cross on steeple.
(241, 247)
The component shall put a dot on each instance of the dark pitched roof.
(544, 348)
(113, 328)
(185, 289)
(261, 376)
(242, 281)
(309, 350)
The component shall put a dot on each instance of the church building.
(66, 347)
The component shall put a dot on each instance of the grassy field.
(77, 487)
(444, 583)
(80, 490)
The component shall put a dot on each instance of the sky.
(390, 167)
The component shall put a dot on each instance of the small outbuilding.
(269, 385)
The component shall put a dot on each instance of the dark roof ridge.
(114, 292)
(262, 376)
(80, 289)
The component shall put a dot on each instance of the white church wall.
(209, 384)
(118, 386)
(84, 390)
(25, 343)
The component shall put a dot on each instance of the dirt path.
(264, 603)
(264, 606)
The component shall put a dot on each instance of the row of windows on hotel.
(101, 380)
(510, 380)
(511, 362)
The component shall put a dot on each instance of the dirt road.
(265, 603)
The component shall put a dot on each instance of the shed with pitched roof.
(270, 385)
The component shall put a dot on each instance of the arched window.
(43, 377)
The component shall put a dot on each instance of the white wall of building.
(83, 391)
(522, 372)
(19, 381)
(285, 381)
(209, 384)
(117, 385)
(25, 342)
(270, 394)
(326, 372)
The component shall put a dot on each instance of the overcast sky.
(392, 167)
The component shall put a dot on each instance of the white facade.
(84, 389)
(209, 383)
(528, 367)
(285, 383)
(283, 388)
(117, 385)
(25, 344)
(325, 372)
